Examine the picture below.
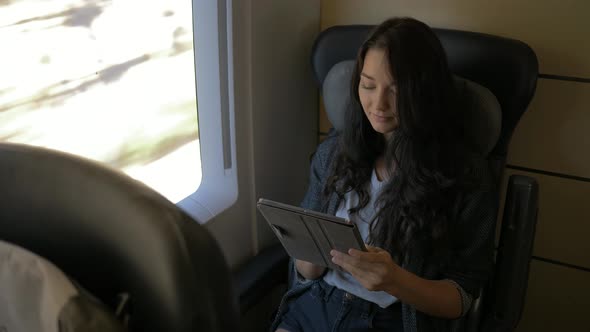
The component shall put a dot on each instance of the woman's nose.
(382, 101)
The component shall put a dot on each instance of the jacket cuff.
(466, 298)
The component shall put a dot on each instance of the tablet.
(309, 235)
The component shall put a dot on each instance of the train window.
(111, 80)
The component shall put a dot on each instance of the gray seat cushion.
(483, 117)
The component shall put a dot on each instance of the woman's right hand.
(309, 270)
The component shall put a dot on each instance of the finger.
(335, 252)
(342, 258)
(364, 255)
(349, 264)
(357, 253)
(357, 266)
(370, 248)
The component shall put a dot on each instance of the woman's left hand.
(374, 269)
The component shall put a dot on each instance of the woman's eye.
(367, 87)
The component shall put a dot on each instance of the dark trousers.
(325, 308)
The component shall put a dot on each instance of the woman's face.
(377, 92)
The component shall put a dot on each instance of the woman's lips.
(382, 118)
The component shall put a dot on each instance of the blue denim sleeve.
(473, 249)
(320, 167)
(314, 199)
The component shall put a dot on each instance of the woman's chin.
(384, 130)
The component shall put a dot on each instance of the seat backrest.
(113, 235)
(509, 69)
(506, 301)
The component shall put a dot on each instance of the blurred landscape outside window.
(110, 80)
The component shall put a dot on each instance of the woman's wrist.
(393, 286)
(438, 298)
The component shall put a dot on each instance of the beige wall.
(552, 135)
(557, 30)
(282, 34)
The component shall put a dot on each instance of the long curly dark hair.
(426, 156)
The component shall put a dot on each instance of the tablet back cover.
(309, 237)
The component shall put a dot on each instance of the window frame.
(213, 52)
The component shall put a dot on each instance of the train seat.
(117, 238)
(498, 75)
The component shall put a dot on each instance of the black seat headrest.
(507, 67)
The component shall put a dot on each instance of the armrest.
(499, 306)
(260, 275)
(515, 248)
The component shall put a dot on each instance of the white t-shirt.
(343, 280)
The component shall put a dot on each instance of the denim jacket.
(472, 252)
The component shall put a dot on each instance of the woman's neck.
(381, 169)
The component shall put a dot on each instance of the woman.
(402, 171)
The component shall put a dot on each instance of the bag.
(36, 296)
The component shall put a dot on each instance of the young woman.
(403, 172)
